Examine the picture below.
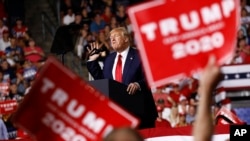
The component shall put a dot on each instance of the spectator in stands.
(32, 52)
(69, 17)
(19, 29)
(160, 121)
(243, 4)
(12, 130)
(3, 28)
(107, 30)
(204, 125)
(158, 95)
(86, 17)
(14, 94)
(161, 99)
(80, 43)
(13, 51)
(5, 41)
(107, 14)
(129, 72)
(182, 120)
(3, 130)
(191, 113)
(245, 17)
(183, 105)
(21, 83)
(174, 116)
(9, 74)
(121, 14)
(244, 50)
(22, 42)
(123, 134)
(103, 43)
(97, 25)
(29, 71)
(174, 96)
(114, 23)
(77, 21)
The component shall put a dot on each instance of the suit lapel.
(110, 66)
(129, 61)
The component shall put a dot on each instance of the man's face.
(13, 41)
(118, 41)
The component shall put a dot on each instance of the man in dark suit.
(130, 69)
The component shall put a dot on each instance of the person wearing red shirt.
(160, 121)
(33, 53)
(19, 29)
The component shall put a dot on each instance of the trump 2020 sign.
(176, 37)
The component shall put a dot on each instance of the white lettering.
(227, 7)
(107, 130)
(168, 26)
(240, 132)
(58, 127)
(47, 84)
(206, 44)
(60, 96)
(178, 51)
(191, 24)
(210, 15)
(189, 21)
(217, 39)
(74, 111)
(48, 119)
(149, 30)
(237, 132)
(92, 122)
(194, 47)
(68, 133)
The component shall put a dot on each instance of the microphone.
(96, 51)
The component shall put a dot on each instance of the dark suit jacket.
(132, 72)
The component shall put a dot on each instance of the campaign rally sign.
(61, 106)
(8, 106)
(4, 88)
(176, 37)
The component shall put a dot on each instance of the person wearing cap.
(160, 121)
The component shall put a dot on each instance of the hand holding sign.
(177, 42)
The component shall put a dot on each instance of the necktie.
(118, 69)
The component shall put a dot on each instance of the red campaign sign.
(4, 88)
(8, 106)
(61, 106)
(176, 37)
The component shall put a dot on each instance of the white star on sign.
(237, 76)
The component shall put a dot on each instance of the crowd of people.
(21, 58)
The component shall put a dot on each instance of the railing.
(55, 6)
(48, 25)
